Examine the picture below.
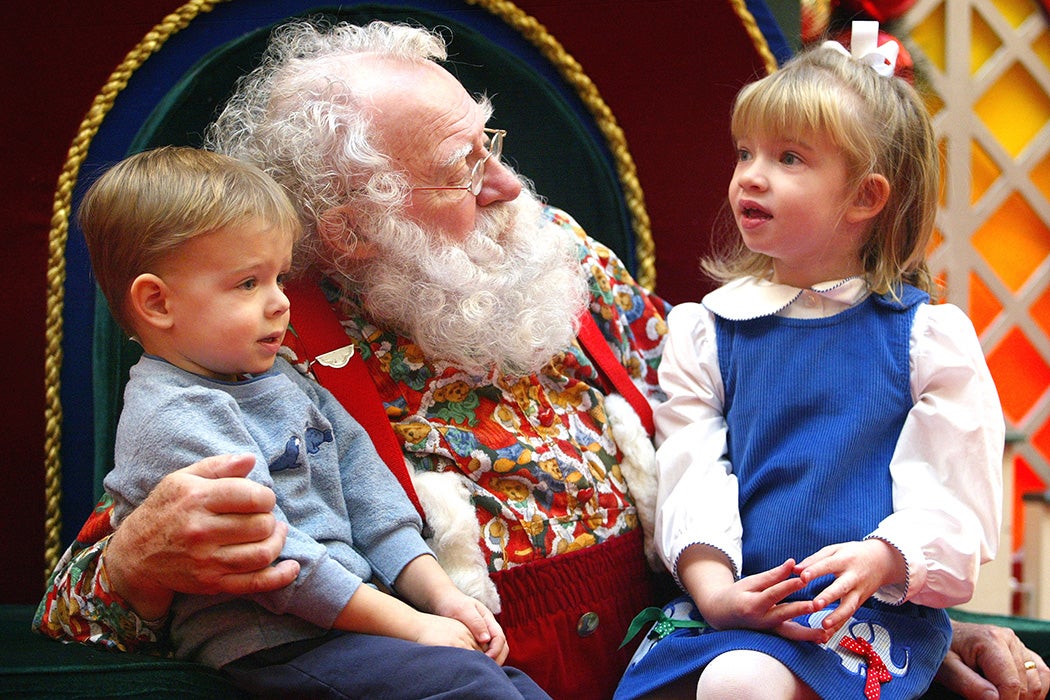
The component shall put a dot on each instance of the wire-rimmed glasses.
(477, 173)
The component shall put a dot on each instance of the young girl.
(831, 446)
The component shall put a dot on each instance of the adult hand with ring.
(986, 661)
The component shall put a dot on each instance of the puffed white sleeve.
(947, 467)
(697, 491)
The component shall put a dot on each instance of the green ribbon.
(664, 625)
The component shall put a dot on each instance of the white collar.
(750, 297)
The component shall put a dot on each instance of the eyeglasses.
(477, 173)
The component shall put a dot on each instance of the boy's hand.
(438, 631)
(479, 620)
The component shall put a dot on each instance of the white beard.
(508, 298)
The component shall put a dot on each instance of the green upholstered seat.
(33, 666)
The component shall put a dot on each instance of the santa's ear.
(870, 199)
(339, 232)
(148, 301)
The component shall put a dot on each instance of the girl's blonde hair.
(882, 127)
(149, 204)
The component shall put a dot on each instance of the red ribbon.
(877, 671)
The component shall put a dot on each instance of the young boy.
(191, 250)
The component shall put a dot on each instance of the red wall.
(651, 60)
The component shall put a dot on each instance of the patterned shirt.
(537, 451)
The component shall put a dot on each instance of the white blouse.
(946, 470)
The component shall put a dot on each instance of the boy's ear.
(338, 230)
(148, 301)
(870, 199)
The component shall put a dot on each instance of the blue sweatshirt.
(349, 519)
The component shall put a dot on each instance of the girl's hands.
(860, 569)
(753, 602)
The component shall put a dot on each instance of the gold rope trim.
(56, 265)
(757, 38)
(570, 69)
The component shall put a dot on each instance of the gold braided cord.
(570, 69)
(56, 266)
(757, 38)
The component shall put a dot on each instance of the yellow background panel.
(1013, 241)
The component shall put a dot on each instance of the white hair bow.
(864, 48)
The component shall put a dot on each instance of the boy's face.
(227, 304)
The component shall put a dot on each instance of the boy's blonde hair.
(882, 127)
(149, 204)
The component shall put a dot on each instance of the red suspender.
(319, 332)
(615, 374)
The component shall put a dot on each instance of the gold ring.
(1029, 665)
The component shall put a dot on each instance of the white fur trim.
(453, 520)
(638, 466)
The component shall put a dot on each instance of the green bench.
(33, 666)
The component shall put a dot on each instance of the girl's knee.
(743, 673)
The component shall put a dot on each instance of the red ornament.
(881, 10)
(816, 14)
